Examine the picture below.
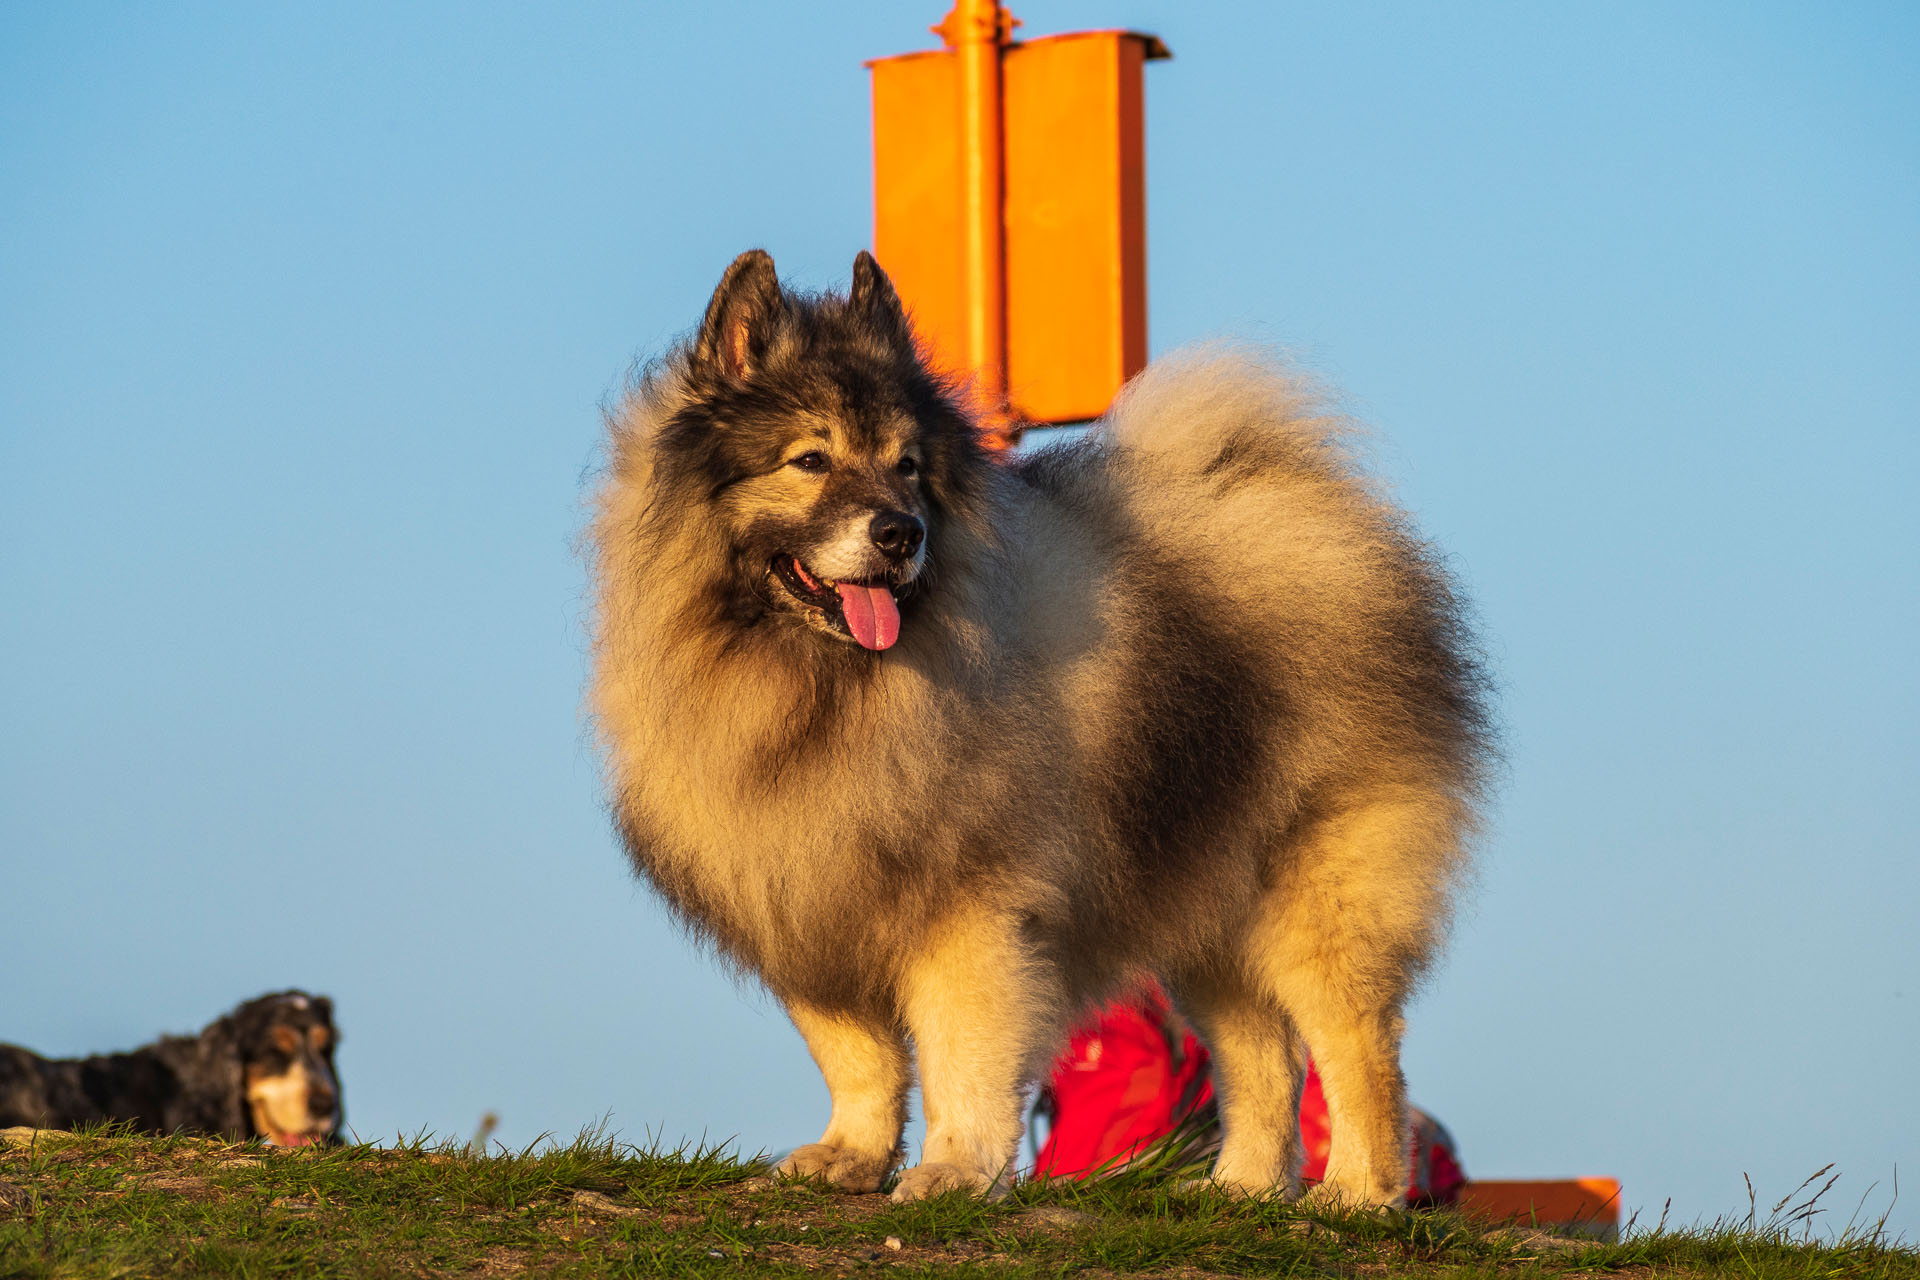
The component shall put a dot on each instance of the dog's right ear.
(733, 338)
(873, 296)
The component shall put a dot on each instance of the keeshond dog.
(946, 749)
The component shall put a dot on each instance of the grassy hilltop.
(110, 1205)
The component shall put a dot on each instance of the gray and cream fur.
(1187, 698)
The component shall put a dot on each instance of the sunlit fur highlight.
(1188, 699)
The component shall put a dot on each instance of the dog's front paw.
(841, 1167)
(1335, 1198)
(1233, 1189)
(924, 1180)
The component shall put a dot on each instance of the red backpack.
(1137, 1073)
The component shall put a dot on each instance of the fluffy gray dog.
(946, 749)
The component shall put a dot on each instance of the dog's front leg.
(983, 1012)
(865, 1066)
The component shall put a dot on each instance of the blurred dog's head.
(285, 1043)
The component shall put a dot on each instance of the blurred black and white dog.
(264, 1071)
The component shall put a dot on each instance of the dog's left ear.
(873, 296)
(740, 318)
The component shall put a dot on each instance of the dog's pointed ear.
(873, 296)
(740, 319)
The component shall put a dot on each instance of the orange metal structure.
(1587, 1206)
(1010, 209)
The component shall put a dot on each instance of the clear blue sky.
(306, 315)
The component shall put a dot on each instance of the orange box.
(1075, 210)
(1585, 1206)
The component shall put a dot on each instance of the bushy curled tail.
(1221, 408)
(1234, 467)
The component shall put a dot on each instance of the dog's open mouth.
(867, 611)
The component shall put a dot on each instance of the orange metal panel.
(1591, 1205)
(1075, 200)
(918, 197)
(1076, 248)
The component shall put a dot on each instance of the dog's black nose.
(321, 1101)
(897, 534)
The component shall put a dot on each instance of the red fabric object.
(1126, 1080)
(1437, 1175)
(1316, 1128)
(1130, 1077)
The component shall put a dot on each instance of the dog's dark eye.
(812, 460)
(908, 467)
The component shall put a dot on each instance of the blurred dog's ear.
(873, 296)
(733, 338)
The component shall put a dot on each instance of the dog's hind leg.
(1358, 1054)
(865, 1066)
(1341, 936)
(1259, 1064)
(985, 1016)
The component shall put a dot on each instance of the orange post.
(973, 31)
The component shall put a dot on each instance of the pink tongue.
(872, 615)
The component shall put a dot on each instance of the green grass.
(110, 1204)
